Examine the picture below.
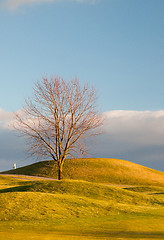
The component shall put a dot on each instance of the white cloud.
(137, 136)
(139, 127)
(5, 116)
(14, 4)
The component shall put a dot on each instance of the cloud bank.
(137, 136)
(14, 4)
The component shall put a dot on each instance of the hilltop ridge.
(100, 170)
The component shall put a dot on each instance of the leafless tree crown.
(59, 117)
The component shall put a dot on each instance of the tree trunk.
(60, 173)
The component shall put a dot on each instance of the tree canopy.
(58, 119)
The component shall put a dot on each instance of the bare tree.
(58, 119)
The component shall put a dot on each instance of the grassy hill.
(100, 170)
(40, 200)
(85, 208)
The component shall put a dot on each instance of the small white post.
(15, 166)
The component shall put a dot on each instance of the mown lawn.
(129, 226)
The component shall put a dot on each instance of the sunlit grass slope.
(100, 170)
(69, 199)
(77, 209)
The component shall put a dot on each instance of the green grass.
(79, 209)
(114, 227)
(70, 198)
(89, 190)
(100, 170)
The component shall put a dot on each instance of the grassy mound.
(84, 189)
(69, 198)
(91, 190)
(100, 170)
(80, 209)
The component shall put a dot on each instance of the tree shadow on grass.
(15, 189)
(156, 193)
(128, 234)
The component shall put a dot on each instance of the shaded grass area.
(147, 189)
(100, 170)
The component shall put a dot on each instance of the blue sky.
(116, 45)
